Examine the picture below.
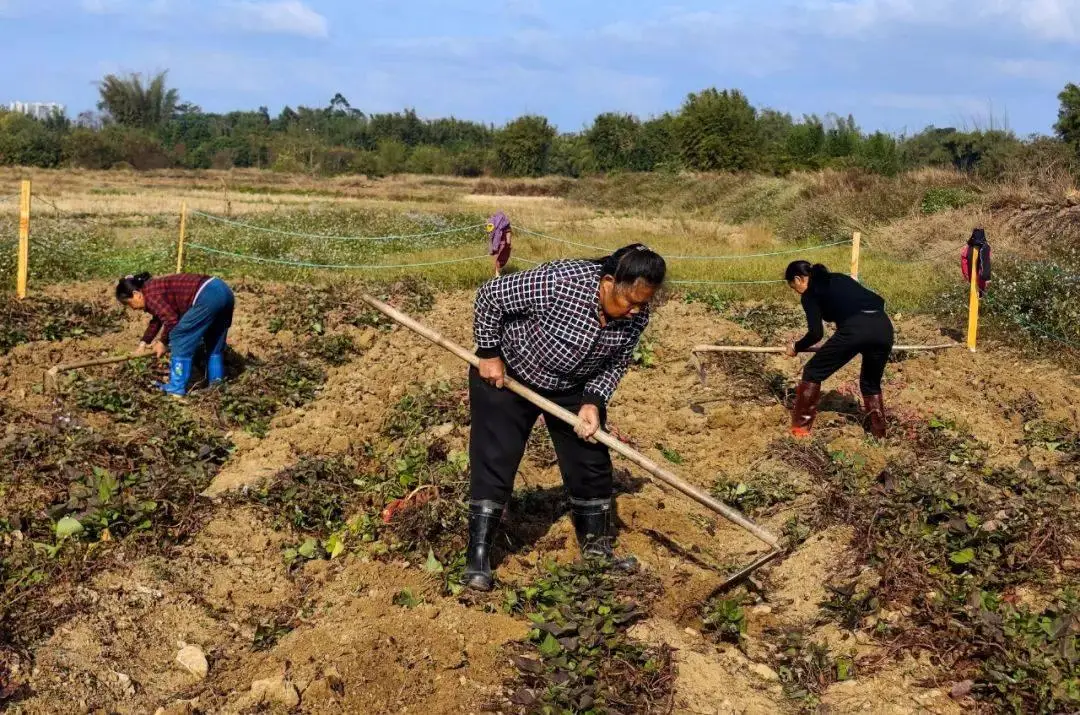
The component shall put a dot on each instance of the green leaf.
(432, 564)
(335, 545)
(307, 549)
(406, 599)
(964, 556)
(68, 526)
(550, 647)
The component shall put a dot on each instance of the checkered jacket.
(545, 323)
(167, 299)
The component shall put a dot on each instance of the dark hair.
(803, 269)
(633, 263)
(126, 286)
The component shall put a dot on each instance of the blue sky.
(895, 64)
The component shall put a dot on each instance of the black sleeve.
(815, 331)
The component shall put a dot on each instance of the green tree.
(612, 139)
(523, 147)
(1068, 122)
(571, 156)
(718, 131)
(842, 136)
(880, 154)
(24, 141)
(806, 143)
(657, 148)
(131, 103)
(774, 128)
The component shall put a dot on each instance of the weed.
(726, 617)
(766, 319)
(645, 353)
(45, 318)
(670, 454)
(539, 449)
(428, 406)
(334, 350)
(250, 401)
(578, 656)
(951, 540)
(756, 495)
(849, 606)
(313, 496)
(407, 599)
(807, 668)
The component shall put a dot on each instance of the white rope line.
(342, 266)
(693, 257)
(296, 234)
(728, 283)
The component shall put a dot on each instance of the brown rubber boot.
(803, 413)
(874, 409)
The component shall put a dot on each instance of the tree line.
(143, 124)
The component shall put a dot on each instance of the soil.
(351, 649)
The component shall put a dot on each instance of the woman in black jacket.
(862, 327)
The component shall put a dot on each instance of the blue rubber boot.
(179, 375)
(215, 368)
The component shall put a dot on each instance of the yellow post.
(973, 301)
(24, 240)
(856, 241)
(183, 232)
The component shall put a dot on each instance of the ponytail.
(804, 269)
(632, 263)
(126, 286)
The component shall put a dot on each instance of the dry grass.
(681, 214)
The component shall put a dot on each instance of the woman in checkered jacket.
(568, 330)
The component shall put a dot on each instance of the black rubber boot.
(592, 523)
(484, 517)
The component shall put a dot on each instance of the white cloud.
(1031, 69)
(280, 17)
(126, 7)
(965, 104)
(1054, 20)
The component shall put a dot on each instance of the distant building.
(37, 110)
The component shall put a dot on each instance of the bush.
(429, 160)
(88, 149)
(27, 142)
(1039, 296)
(944, 199)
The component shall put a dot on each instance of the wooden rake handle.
(54, 372)
(775, 350)
(570, 418)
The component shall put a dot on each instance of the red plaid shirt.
(167, 299)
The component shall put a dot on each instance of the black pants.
(501, 423)
(868, 333)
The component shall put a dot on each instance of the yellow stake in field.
(856, 244)
(973, 301)
(180, 243)
(24, 240)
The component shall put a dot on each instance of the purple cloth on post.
(498, 227)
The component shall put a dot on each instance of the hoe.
(607, 439)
